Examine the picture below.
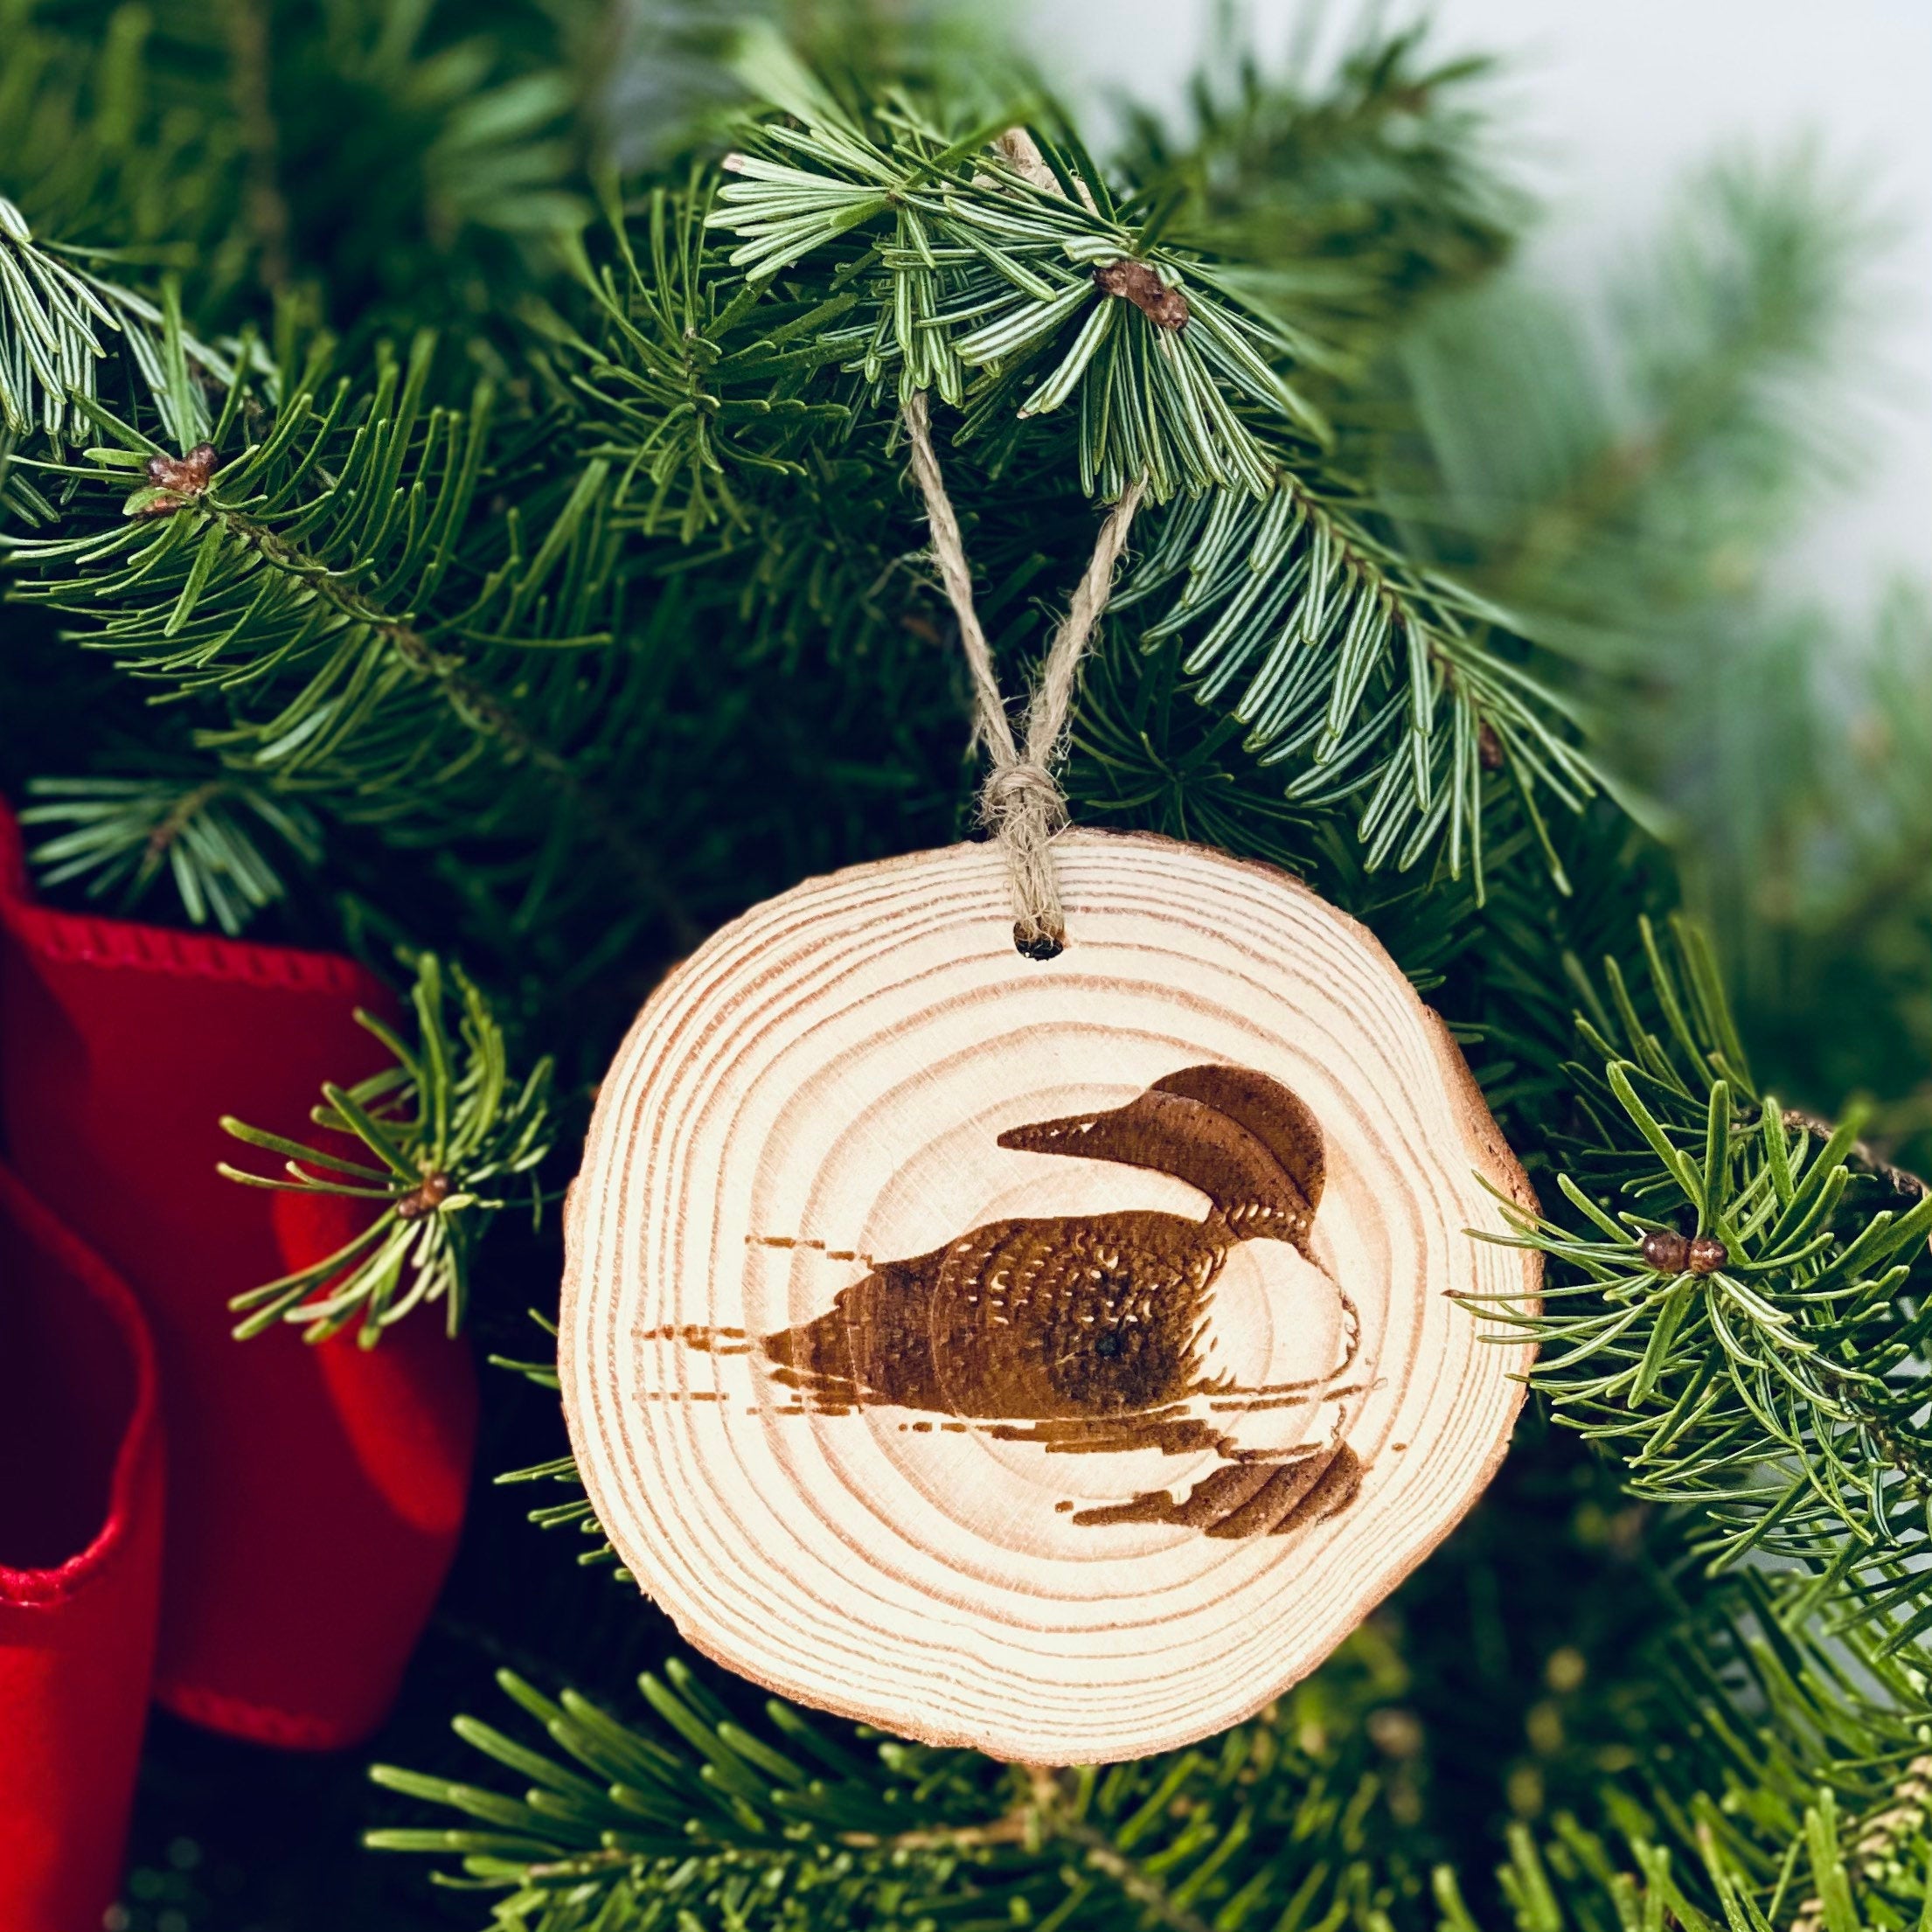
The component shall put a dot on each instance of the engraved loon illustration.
(1085, 1332)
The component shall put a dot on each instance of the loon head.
(1244, 1140)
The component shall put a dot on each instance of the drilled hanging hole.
(1041, 946)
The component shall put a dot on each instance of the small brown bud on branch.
(1136, 282)
(1666, 1251)
(424, 1199)
(184, 478)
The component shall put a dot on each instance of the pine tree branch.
(1781, 1736)
(365, 628)
(202, 832)
(473, 704)
(1351, 189)
(444, 1133)
(1346, 657)
(1140, 1890)
(1729, 1316)
(816, 1827)
(60, 325)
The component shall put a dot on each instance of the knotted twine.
(1021, 802)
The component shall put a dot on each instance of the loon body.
(1084, 1331)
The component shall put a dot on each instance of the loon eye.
(1108, 1344)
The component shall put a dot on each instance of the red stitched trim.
(239, 1718)
(43, 1588)
(78, 936)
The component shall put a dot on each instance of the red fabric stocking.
(80, 1501)
(315, 1493)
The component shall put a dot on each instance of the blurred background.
(1605, 111)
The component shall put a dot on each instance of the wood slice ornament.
(1055, 1357)
(1036, 1333)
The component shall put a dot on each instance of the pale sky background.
(1614, 103)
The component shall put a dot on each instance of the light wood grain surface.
(1057, 1358)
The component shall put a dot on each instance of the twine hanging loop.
(1021, 802)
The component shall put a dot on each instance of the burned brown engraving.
(1083, 1332)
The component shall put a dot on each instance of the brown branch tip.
(1136, 283)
